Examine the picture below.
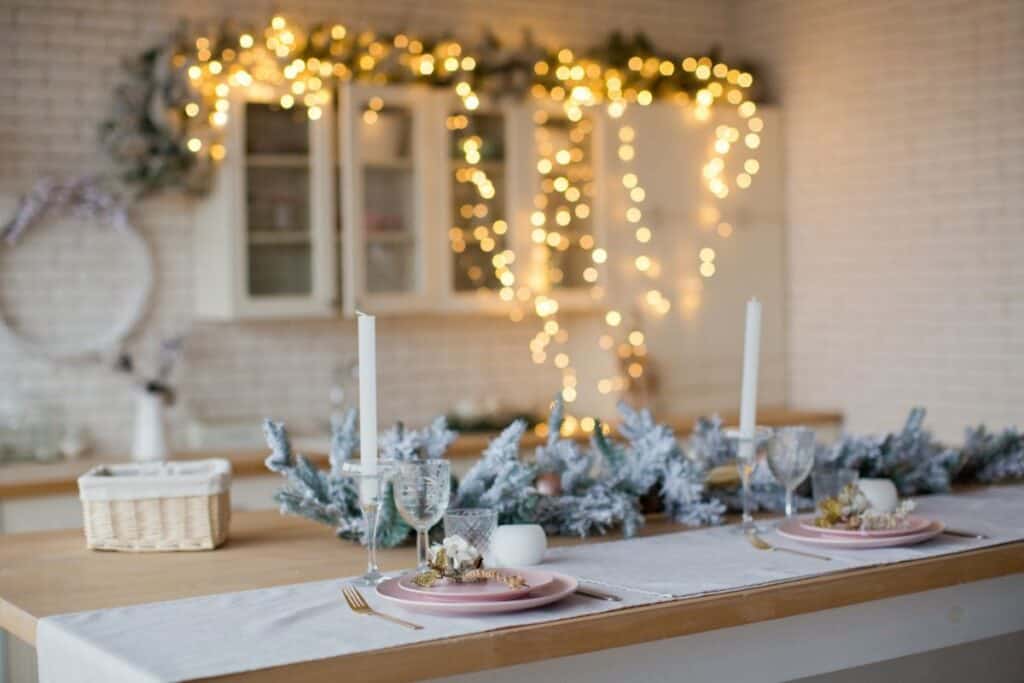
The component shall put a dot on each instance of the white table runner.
(234, 632)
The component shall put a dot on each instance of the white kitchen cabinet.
(265, 237)
(515, 139)
(564, 267)
(389, 199)
(357, 208)
(472, 230)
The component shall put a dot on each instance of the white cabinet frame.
(424, 295)
(221, 239)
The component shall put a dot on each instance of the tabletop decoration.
(332, 497)
(598, 488)
(454, 556)
(519, 545)
(709, 444)
(852, 510)
(917, 463)
(580, 490)
(881, 493)
(989, 457)
(456, 560)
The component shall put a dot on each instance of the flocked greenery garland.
(577, 490)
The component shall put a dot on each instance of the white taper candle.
(367, 407)
(751, 354)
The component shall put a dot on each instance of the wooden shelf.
(488, 165)
(390, 237)
(389, 164)
(277, 160)
(274, 237)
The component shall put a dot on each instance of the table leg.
(4, 664)
(3, 656)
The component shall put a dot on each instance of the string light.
(300, 65)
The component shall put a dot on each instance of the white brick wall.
(904, 141)
(905, 159)
(60, 67)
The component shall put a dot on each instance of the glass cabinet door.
(478, 237)
(277, 201)
(386, 205)
(389, 192)
(287, 211)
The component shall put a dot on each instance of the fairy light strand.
(300, 67)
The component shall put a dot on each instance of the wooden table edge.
(629, 626)
(647, 623)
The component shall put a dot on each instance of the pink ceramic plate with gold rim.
(794, 530)
(479, 591)
(561, 587)
(915, 525)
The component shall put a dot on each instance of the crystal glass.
(422, 489)
(827, 481)
(749, 450)
(790, 458)
(476, 525)
(371, 510)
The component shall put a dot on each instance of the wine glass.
(749, 449)
(422, 489)
(370, 505)
(790, 458)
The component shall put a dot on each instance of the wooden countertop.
(26, 480)
(47, 573)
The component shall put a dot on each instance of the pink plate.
(794, 530)
(915, 525)
(481, 591)
(560, 587)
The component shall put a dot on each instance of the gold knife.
(597, 595)
(964, 534)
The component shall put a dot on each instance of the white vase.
(150, 442)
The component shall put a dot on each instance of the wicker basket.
(157, 507)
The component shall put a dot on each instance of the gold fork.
(358, 604)
(762, 544)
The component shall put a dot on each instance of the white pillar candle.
(748, 400)
(367, 407)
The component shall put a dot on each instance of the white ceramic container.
(519, 545)
(881, 493)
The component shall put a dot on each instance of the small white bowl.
(881, 493)
(519, 545)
